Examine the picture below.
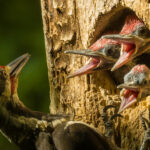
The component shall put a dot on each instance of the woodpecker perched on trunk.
(135, 40)
(19, 123)
(103, 54)
(136, 86)
(8, 90)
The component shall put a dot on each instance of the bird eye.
(109, 51)
(141, 31)
(130, 78)
(145, 82)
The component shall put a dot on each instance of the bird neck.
(16, 104)
(18, 108)
(6, 94)
(14, 84)
(9, 99)
(12, 104)
(15, 101)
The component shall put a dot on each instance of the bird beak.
(128, 98)
(95, 54)
(132, 46)
(17, 64)
(128, 86)
(87, 68)
(85, 52)
(97, 61)
(128, 95)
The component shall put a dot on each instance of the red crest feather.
(131, 23)
(140, 68)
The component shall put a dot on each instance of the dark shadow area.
(20, 32)
(113, 21)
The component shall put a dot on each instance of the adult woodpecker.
(103, 54)
(136, 86)
(17, 122)
(8, 91)
(135, 40)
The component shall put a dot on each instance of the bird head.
(102, 55)
(136, 85)
(9, 75)
(134, 38)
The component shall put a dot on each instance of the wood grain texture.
(70, 24)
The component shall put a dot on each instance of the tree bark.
(70, 24)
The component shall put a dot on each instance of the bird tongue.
(91, 64)
(127, 51)
(129, 98)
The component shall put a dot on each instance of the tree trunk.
(70, 24)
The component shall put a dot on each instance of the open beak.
(95, 62)
(132, 46)
(90, 65)
(87, 68)
(128, 94)
(17, 64)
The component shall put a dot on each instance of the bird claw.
(146, 126)
(108, 123)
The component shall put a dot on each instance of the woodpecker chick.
(134, 38)
(136, 86)
(103, 54)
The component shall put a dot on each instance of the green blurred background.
(21, 31)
